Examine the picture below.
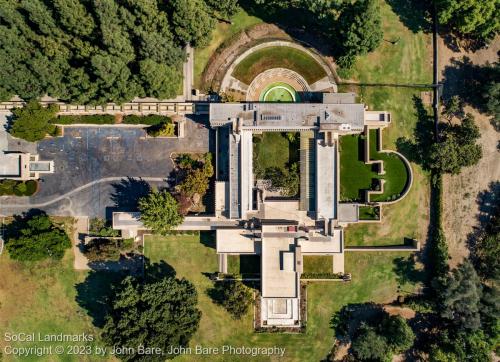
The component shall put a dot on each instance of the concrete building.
(281, 230)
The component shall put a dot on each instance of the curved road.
(78, 189)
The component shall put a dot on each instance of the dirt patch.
(461, 206)
(406, 313)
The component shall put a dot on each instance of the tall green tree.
(459, 296)
(160, 211)
(233, 295)
(358, 29)
(470, 17)
(370, 346)
(492, 96)
(192, 21)
(458, 147)
(36, 239)
(32, 122)
(224, 8)
(154, 314)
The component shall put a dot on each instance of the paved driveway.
(87, 155)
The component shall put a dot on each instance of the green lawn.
(318, 263)
(222, 33)
(408, 61)
(40, 298)
(408, 218)
(368, 213)
(355, 174)
(273, 149)
(246, 265)
(373, 280)
(279, 57)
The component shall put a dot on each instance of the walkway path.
(76, 190)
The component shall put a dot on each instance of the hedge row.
(89, 119)
(18, 188)
(321, 276)
(150, 120)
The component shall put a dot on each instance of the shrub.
(151, 120)
(31, 187)
(31, 122)
(161, 130)
(87, 119)
(233, 295)
(20, 189)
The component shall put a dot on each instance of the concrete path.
(80, 227)
(74, 191)
(188, 71)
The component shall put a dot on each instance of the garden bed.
(279, 57)
(369, 213)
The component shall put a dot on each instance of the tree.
(225, 8)
(369, 345)
(399, 335)
(232, 295)
(359, 29)
(492, 96)
(458, 148)
(459, 297)
(32, 122)
(452, 107)
(160, 211)
(475, 18)
(37, 238)
(192, 21)
(460, 347)
(154, 314)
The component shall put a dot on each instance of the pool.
(279, 92)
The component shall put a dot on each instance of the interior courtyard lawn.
(222, 32)
(279, 57)
(273, 149)
(374, 279)
(244, 265)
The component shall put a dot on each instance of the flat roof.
(278, 281)
(238, 241)
(326, 180)
(10, 164)
(302, 115)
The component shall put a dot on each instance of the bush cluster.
(87, 119)
(150, 120)
(18, 188)
(166, 129)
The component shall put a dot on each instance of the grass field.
(40, 298)
(374, 279)
(279, 57)
(318, 263)
(407, 61)
(222, 33)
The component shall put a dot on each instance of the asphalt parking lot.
(87, 154)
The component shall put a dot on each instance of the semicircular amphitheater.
(278, 71)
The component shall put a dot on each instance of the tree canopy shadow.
(95, 292)
(414, 14)
(417, 149)
(128, 191)
(489, 208)
(468, 80)
(349, 317)
(406, 271)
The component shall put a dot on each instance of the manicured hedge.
(321, 276)
(150, 120)
(89, 119)
(18, 188)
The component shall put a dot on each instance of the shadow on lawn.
(95, 293)
(414, 14)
